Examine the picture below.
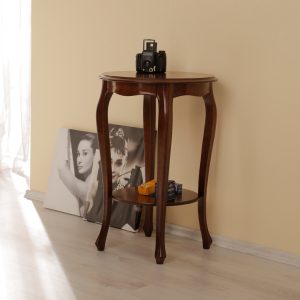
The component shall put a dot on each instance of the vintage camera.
(151, 61)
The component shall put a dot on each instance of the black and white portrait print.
(75, 183)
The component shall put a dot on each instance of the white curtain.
(15, 53)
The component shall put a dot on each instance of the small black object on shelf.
(174, 189)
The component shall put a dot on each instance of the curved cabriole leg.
(165, 100)
(149, 116)
(104, 145)
(207, 145)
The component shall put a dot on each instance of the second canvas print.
(75, 183)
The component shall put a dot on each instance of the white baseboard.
(224, 242)
(34, 195)
(240, 246)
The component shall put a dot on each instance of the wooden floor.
(50, 255)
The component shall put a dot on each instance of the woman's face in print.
(85, 156)
(118, 161)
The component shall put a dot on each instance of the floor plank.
(51, 255)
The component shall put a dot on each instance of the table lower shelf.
(131, 196)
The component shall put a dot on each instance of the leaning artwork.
(75, 183)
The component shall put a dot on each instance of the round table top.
(168, 77)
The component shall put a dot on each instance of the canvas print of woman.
(75, 183)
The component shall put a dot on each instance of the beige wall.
(253, 47)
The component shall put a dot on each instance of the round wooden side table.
(163, 87)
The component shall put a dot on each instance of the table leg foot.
(148, 223)
(160, 260)
(100, 242)
(160, 254)
(207, 242)
(206, 238)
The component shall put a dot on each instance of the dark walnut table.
(164, 88)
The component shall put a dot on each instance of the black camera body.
(151, 61)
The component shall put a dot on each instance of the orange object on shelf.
(147, 188)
